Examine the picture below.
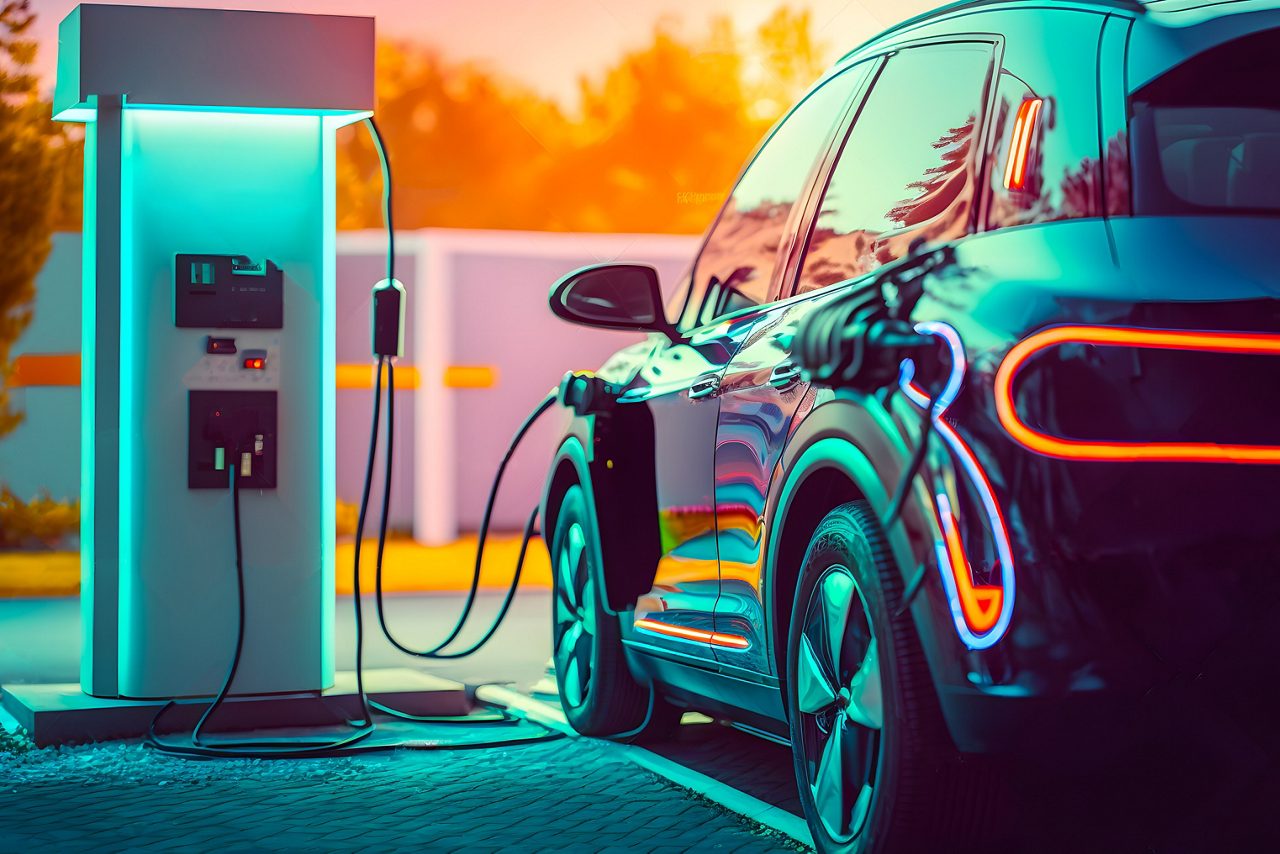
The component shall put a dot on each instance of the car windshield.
(1206, 135)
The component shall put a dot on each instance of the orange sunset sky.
(545, 44)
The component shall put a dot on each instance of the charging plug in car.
(852, 344)
(586, 394)
(859, 340)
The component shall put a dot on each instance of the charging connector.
(388, 319)
(586, 394)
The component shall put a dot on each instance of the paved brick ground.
(571, 794)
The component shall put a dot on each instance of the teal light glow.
(328, 374)
(88, 385)
(77, 114)
(342, 117)
(129, 413)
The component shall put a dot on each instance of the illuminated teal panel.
(328, 374)
(333, 118)
(129, 414)
(258, 184)
(76, 114)
(88, 387)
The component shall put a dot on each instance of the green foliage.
(15, 743)
(35, 197)
(41, 521)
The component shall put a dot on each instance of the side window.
(906, 169)
(1051, 59)
(736, 265)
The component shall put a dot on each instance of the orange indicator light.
(686, 633)
(1024, 127)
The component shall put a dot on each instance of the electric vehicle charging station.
(208, 393)
(208, 338)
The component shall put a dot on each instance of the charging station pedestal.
(208, 338)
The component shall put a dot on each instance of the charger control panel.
(227, 292)
(234, 380)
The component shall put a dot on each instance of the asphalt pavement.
(571, 794)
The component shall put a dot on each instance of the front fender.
(569, 465)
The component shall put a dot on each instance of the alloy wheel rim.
(838, 688)
(574, 620)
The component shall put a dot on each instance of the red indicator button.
(255, 364)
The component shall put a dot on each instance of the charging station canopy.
(213, 59)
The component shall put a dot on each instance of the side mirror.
(612, 296)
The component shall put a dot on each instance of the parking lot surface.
(570, 794)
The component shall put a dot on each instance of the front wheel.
(598, 691)
(875, 767)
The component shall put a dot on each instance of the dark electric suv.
(960, 435)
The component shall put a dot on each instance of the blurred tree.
(786, 60)
(35, 155)
(653, 144)
(464, 146)
(659, 140)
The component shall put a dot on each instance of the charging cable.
(256, 748)
(388, 344)
(388, 337)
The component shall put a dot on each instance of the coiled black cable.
(436, 651)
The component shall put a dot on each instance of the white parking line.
(539, 711)
(772, 817)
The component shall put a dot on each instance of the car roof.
(947, 9)
(1173, 27)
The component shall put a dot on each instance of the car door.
(737, 271)
(905, 169)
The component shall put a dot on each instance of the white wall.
(475, 298)
(481, 299)
(44, 452)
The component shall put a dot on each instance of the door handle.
(784, 375)
(704, 386)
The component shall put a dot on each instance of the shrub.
(43, 520)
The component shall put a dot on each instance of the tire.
(600, 695)
(873, 704)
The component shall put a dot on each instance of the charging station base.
(62, 714)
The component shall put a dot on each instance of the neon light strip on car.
(686, 633)
(1115, 336)
(1024, 126)
(981, 613)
